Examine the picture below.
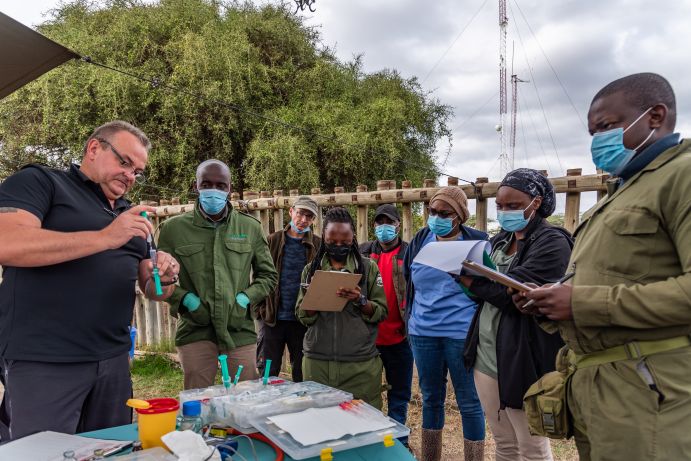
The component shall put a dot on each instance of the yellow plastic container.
(156, 421)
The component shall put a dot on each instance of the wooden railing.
(154, 323)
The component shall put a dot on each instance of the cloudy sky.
(565, 49)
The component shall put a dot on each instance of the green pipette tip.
(223, 359)
(267, 370)
(237, 375)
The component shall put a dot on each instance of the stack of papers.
(449, 256)
(318, 425)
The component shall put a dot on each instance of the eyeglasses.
(138, 174)
(442, 214)
(304, 214)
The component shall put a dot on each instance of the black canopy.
(25, 55)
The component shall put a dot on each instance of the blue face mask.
(440, 226)
(514, 221)
(608, 150)
(212, 201)
(385, 232)
(295, 228)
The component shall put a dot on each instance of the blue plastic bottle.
(191, 419)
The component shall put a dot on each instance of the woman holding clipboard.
(339, 347)
(506, 348)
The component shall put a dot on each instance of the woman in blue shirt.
(438, 320)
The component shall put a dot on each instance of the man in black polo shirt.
(72, 251)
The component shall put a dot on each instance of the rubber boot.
(430, 445)
(473, 450)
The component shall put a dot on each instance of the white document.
(448, 256)
(318, 425)
(49, 446)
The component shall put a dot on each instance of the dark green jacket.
(346, 336)
(267, 309)
(217, 261)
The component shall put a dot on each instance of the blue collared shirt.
(440, 307)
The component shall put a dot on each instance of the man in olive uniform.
(225, 266)
(627, 316)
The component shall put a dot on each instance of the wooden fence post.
(573, 202)
(480, 205)
(151, 318)
(426, 184)
(252, 195)
(278, 212)
(452, 181)
(361, 226)
(407, 215)
(319, 219)
(264, 214)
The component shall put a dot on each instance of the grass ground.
(157, 375)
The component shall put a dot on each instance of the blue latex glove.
(242, 300)
(191, 302)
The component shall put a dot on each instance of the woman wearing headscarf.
(438, 319)
(506, 348)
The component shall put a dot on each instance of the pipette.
(154, 259)
(223, 358)
(237, 375)
(267, 370)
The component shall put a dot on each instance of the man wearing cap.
(387, 251)
(292, 248)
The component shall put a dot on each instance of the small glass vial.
(68, 456)
(191, 419)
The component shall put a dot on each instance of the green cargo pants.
(362, 379)
(617, 415)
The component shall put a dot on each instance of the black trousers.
(274, 341)
(64, 397)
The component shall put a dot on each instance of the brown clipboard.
(496, 276)
(321, 292)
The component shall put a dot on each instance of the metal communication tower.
(514, 111)
(505, 162)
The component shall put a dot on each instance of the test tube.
(152, 254)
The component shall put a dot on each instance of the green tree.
(239, 68)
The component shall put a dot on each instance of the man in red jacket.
(387, 251)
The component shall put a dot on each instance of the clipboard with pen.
(478, 269)
(321, 291)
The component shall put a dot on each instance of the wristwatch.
(363, 300)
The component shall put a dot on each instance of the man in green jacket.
(627, 316)
(225, 267)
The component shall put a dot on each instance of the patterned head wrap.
(533, 183)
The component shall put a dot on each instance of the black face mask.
(338, 253)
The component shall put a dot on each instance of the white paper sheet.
(49, 446)
(448, 256)
(318, 425)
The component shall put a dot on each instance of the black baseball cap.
(388, 210)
